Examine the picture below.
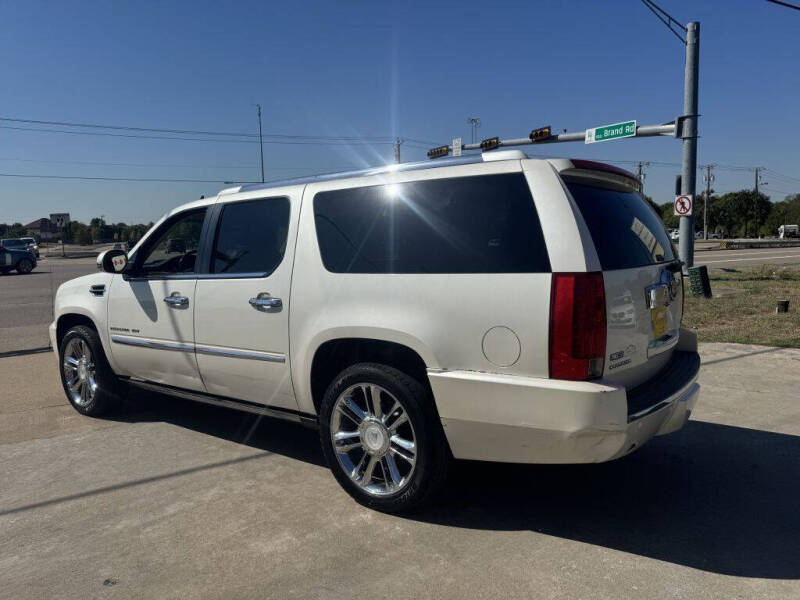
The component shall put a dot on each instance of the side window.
(481, 224)
(174, 249)
(251, 236)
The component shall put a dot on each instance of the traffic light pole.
(689, 135)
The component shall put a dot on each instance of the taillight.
(577, 326)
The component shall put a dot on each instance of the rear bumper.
(507, 418)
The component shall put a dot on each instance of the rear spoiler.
(597, 171)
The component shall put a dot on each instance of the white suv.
(493, 308)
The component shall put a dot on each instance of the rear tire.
(88, 380)
(391, 455)
(24, 266)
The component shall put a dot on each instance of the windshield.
(626, 231)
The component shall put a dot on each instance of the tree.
(786, 212)
(84, 236)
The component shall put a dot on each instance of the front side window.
(251, 236)
(481, 224)
(174, 249)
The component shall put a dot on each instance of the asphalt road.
(26, 301)
(750, 257)
(176, 500)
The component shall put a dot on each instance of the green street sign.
(611, 132)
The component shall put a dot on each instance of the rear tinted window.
(251, 236)
(626, 231)
(485, 224)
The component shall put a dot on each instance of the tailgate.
(643, 316)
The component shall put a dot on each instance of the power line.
(124, 164)
(781, 175)
(189, 131)
(786, 4)
(301, 142)
(137, 179)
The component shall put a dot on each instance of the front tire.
(382, 437)
(89, 383)
(24, 266)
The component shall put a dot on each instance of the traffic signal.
(541, 134)
(438, 151)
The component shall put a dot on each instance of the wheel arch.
(334, 355)
(67, 321)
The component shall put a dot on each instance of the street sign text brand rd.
(683, 205)
(611, 132)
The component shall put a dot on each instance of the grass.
(743, 307)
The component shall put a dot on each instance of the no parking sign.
(683, 205)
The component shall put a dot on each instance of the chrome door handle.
(177, 300)
(266, 302)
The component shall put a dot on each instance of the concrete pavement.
(176, 500)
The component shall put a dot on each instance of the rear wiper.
(675, 265)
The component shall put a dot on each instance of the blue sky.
(414, 70)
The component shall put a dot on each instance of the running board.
(251, 407)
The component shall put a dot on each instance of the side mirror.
(112, 261)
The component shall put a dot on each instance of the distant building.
(43, 229)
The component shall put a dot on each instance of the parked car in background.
(493, 308)
(715, 235)
(787, 231)
(16, 258)
(24, 243)
(674, 235)
(32, 245)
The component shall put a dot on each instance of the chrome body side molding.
(155, 344)
(199, 348)
(237, 353)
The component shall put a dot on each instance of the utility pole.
(689, 135)
(640, 174)
(397, 142)
(755, 201)
(474, 122)
(708, 178)
(686, 124)
(260, 142)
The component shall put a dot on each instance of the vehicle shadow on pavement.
(268, 434)
(712, 497)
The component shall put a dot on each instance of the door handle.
(264, 301)
(176, 300)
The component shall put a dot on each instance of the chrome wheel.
(79, 372)
(373, 439)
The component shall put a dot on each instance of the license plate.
(659, 317)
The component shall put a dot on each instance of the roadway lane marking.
(708, 262)
(756, 253)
